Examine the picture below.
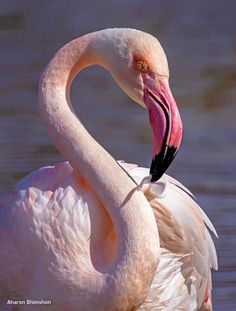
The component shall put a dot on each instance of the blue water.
(200, 41)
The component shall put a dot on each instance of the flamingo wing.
(188, 252)
(52, 227)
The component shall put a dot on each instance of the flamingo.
(92, 233)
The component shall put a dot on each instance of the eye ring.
(141, 66)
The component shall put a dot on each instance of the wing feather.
(183, 228)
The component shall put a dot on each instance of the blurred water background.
(199, 38)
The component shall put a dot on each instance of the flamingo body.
(66, 224)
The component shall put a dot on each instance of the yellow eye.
(141, 66)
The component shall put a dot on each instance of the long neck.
(128, 279)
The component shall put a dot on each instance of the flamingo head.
(138, 63)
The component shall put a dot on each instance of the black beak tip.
(155, 178)
(156, 170)
(160, 164)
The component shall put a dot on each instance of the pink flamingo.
(83, 234)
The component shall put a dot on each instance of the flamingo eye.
(141, 66)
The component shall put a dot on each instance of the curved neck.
(131, 273)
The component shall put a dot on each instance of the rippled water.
(200, 40)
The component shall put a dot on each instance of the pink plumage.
(94, 234)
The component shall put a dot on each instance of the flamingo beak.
(165, 122)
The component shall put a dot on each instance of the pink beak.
(165, 122)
